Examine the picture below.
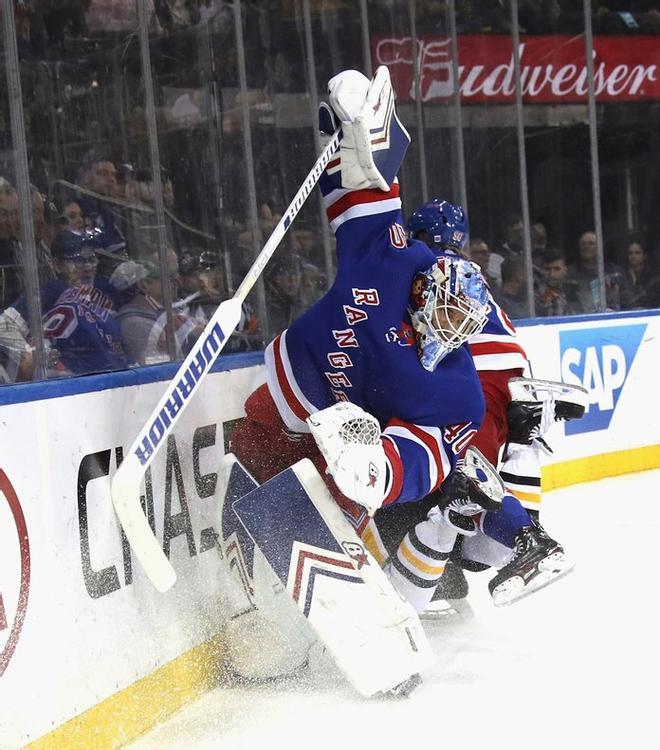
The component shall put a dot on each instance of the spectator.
(513, 236)
(512, 295)
(79, 317)
(72, 216)
(12, 258)
(284, 285)
(141, 188)
(10, 269)
(203, 280)
(307, 243)
(144, 320)
(557, 294)
(479, 253)
(539, 241)
(512, 246)
(638, 272)
(585, 272)
(142, 217)
(41, 236)
(98, 178)
(189, 272)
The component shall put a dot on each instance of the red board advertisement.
(553, 68)
(11, 618)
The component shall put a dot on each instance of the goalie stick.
(125, 486)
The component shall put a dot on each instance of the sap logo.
(599, 359)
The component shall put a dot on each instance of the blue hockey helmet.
(70, 243)
(445, 224)
(448, 305)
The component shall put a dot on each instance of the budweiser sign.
(552, 68)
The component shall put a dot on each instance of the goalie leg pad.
(375, 637)
(266, 636)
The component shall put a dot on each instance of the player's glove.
(349, 439)
(374, 141)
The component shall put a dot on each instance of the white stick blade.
(125, 490)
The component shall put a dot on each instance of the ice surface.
(576, 664)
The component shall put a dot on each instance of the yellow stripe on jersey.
(373, 543)
(530, 497)
(430, 570)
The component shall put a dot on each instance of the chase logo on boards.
(598, 359)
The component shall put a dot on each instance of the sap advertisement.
(615, 358)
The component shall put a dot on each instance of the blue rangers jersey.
(497, 346)
(81, 323)
(356, 344)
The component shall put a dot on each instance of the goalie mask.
(448, 304)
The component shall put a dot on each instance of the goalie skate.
(537, 562)
(529, 389)
(473, 487)
(480, 469)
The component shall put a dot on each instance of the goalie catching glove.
(349, 439)
(374, 141)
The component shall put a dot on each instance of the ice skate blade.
(442, 610)
(551, 569)
(529, 389)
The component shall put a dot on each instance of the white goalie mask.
(448, 305)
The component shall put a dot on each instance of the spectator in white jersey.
(143, 320)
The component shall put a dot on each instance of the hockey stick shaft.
(125, 486)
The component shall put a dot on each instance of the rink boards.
(91, 654)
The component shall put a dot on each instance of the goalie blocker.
(374, 636)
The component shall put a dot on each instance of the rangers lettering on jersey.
(366, 296)
(353, 315)
(339, 359)
(338, 379)
(345, 338)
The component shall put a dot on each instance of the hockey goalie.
(370, 402)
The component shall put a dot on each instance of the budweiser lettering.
(552, 68)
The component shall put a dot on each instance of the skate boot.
(474, 486)
(537, 561)
(537, 404)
